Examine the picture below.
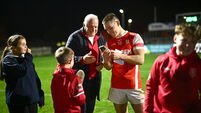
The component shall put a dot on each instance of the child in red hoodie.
(66, 86)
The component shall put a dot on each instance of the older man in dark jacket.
(85, 43)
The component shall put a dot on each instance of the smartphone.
(102, 48)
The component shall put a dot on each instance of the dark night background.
(45, 22)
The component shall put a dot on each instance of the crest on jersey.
(127, 41)
(119, 42)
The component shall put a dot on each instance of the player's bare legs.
(121, 108)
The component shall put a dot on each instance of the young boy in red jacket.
(66, 86)
(174, 83)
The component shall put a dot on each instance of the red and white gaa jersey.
(124, 75)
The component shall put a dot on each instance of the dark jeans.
(23, 109)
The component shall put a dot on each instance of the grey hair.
(89, 17)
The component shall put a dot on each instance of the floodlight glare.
(130, 20)
(121, 10)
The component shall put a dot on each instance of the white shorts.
(122, 96)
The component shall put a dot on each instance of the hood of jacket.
(193, 57)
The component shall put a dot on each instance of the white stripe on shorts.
(136, 77)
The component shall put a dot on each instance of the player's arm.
(137, 56)
(107, 60)
(136, 59)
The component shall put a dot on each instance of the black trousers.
(23, 109)
(91, 88)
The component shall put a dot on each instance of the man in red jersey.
(124, 54)
(174, 83)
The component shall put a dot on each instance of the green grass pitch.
(45, 66)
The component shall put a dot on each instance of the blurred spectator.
(174, 83)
